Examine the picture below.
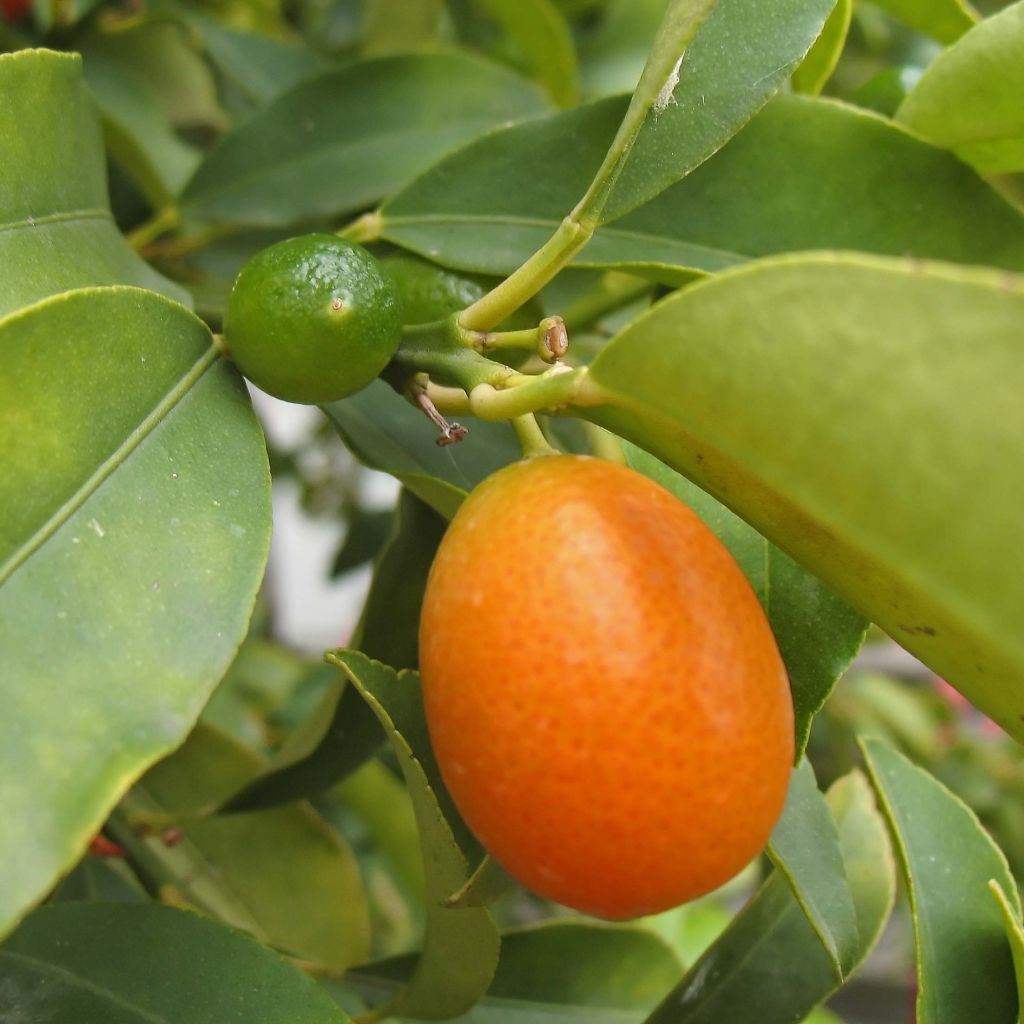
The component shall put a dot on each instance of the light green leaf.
(822, 58)
(804, 174)
(120, 963)
(391, 26)
(460, 949)
(133, 542)
(740, 56)
(488, 883)
(542, 36)
(56, 229)
(965, 968)
(771, 949)
(817, 633)
(804, 847)
(944, 20)
(341, 141)
(968, 99)
(283, 875)
(1015, 935)
(852, 409)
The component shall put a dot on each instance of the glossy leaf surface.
(818, 634)
(771, 949)
(137, 964)
(460, 949)
(341, 141)
(965, 968)
(283, 875)
(804, 174)
(56, 229)
(134, 539)
(855, 437)
(968, 99)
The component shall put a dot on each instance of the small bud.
(554, 339)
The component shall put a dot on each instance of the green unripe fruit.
(312, 319)
(429, 292)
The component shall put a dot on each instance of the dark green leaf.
(968, 99)
(387, 433)
(817, 633)
(282, 875)
(965, 969)
(804, 174)
(134, 537)
(821, 60)
(75, 963)
(771, 950)
(852, 409)
(460, 949)
(56, 230)
(344, 140)
(366, 532)
(805, 849)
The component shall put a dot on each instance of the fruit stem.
(363, 229)
(522, 284)
(549, 339)
(531, 437)
(159, 224)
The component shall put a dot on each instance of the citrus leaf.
(133, 542)
(488, 883)
(344, 731)
(818, 634)
(387, 433)
(759, 383)
(944, 20)
(343, 140)
(771, 949)
(738, 58)
(804, 174)
(391, 26)
(56, 229)
(968, 99)
(1015, 935)
(821, 60)
(460, 949)
(965, 968)
(560, 968)
(135, 964)
(282, 875)
(542, 36)
(805, 849)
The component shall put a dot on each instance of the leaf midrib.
(116, 458)
(76, 980)
(89, 213)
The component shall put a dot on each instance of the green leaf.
(804, 847)
(614, 54)
(460, 949)
(968, 99)
(341, 141)
(817, 633)
(391, 26)
(804, 174)
(127, 964)
(965, 969)
(282, 875)
(1015, 935)
(560, 969)
(56, 230)
(344, 731)
(386, 432)
(133, 542)
(852, 409)
(138, 133)
(716, 94)
(104, 880)
(771, 949)
(257, 65)
(822, 58)
(488, 883)
(542, 36)
(944, 20)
